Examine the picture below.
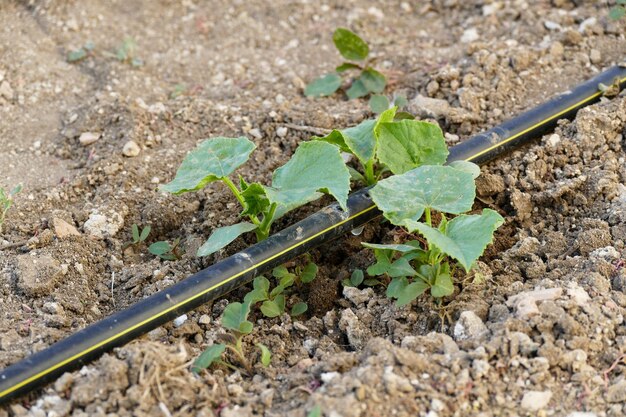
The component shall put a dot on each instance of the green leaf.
(280, 302)
(411, 292)
(266, 355)
(360, 140)
(159, 248)
(235, 317)
(347, 66)
(396, 287)
(222, 236)
(77, 55)
(144, 233)
(280, 271)
(401, 268)
(271, 309)
(255, 200)
(385, 117)
(335, 138)
(373, 80)
(323, 86)
(466, 166)
(16, 190)
(406, 247)
(370, 282)
(309, 273)
(298, 309)
(260, 290)
(355, 175)
(135, 232)
(443, 286)
(400, 101)
(378, 103)
(207, 358)
(407, 144)
(357, 277)
(315, 166)
(212, 160)
(357, 89)
(316, 411)
(350, 45)
(403, 115)
(404, 197)
(466, 236)
(617, 12)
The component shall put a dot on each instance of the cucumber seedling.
(355, 50)
(137, 236)
(165, 250)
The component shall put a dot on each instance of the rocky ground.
(541, 334)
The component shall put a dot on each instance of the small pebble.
(131, 149)
(178, 321)
(87, 138)
(595, 57)
(557, 49)
(281, 132)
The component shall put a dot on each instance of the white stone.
(281, 132)
(554, 139)
(180, 320)
(550, 25)
(131, 149)
(326, 377)
(536, 400)
(525, 303)
(87, 138)
(470, 35)
(99, 226)
(469, 326)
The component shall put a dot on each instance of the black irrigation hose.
(241, 268)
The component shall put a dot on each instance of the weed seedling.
(165, 251)
(139, 237)
(80, 53)
(126, 53)
(356, 51)
(6, 201)
(618, 11)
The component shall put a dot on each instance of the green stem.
(263, 231)
(427, 214)
(369, 172)
(240, 198)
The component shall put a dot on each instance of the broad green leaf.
(378, 103)
(347, 66)
(385, 117)
(323, 86)
(443, 286)
(404, 197)
(400, 268)
(212, 160)
(373, 80)
(315, 166)
(617, 12)
(159, 248)
(280, 271)
(407, 144)
(280, 302)
(255, 200)
(350, 45)
(144, 233)
(466, 236)
(298, 309)
(235, 317)
(266, 355)
(411, 292)
(309, 273)
(357, 277)
(466, 166)
(357, 89)
(336, 138)
(360, 139)
(223, 236)
(270, 309)
(135, 232)
(403, 115)
(207, 358)
(396, 286)
(259, 292)
(406, 247)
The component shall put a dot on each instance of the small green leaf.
(270, 309)
(280, 271)
(159, 248)
(378, 103)
(135, 232)
(335, 138)
(309, 273)
(350, 45)
(223, 236)
(411, 292)
(16, 190)
(466, 236)
(360, 140)
(77, 55)
(298, 309)
(255, 200)
(207, 358)
(370, 282)
(357, 89)
(406, 247)
(266, 355)
(443, 286)
(212, 160)
(401, 268)
(235, 317)
(407, 144)
(396, 287)
(280, 302)
(316, 411)
(400, 101)
(404, 197)
(260, 290)
(403, 115)
(385, 117)
(347, 66)
(355, 175)
(145, 233)
(617, 12)
(323, 86)
(315, 166)
(373, 80)
(466, 166)
(357, 277)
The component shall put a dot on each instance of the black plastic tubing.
(239, 269)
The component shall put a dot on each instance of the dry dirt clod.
(536, 400)
(131, 149)
(37, 275)
(63, 229)
(469, 326)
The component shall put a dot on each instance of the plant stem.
(264, 228)
(239, 197)
(369, 172)
(427, 214)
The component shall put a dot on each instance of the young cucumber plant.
(355, 50)
(314, 168)
(235, 319)
(387, 144)
(409, 200)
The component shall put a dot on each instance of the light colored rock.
(357, 333)
(550, 25)
(5, 90)
(469, 326)
(87, 138)
(595, 56)
(536, 400)
(131, 149)
(428, 107)
(63, 229)
(557, 49)
(37, 275)
(204, 319)
(180, 320)
(470, 35)
(617, 392)
(394, 382)
(256, 133)
(281, 132)
(554, 139)
(525, 303)
(356, 296)
(99, 226)
(582, 414)
(578, 294)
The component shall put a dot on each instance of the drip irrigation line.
(239, 269)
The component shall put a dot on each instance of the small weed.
(618, 11)
(80, 53)
(165, 251)
(139, 237)
(356, 51)
(6, 201)
(316, 411)
(126, 53)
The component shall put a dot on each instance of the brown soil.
(231, 68)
